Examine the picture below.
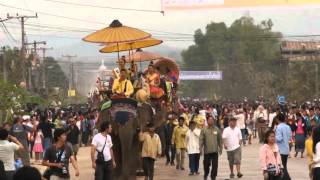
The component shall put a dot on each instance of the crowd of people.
(52, 138)
(284, 130)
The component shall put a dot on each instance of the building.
(300, 50)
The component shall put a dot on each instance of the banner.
(193, 4)
(200, 75)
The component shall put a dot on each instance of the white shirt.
(258, 114)
(78, 123)
(192, 141)
(316, 157)
(203, 114)
(231, 138)
(241, 120)
(271, 117)
(98, 141)
(7, 154)
(215, 112)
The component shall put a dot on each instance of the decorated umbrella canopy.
(167, 66)
(140, 56)
(130, 45)
(116, 33)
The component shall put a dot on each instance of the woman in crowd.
(153, 78)
(291, 123)
(270, 159)
(300, 135)
(224, 118)
(38, 146)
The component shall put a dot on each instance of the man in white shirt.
(232, 143)
(193, 147)
(271, 117)
(102, 143)
(241, 124)
(260, 118)
(7, 152)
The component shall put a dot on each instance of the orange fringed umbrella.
(167, 65)
(141, 56)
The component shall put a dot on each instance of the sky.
(173, 25)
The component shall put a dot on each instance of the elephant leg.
(126, 134)
(117, 155)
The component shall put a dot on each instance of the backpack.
(100, 157)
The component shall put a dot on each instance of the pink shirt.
(267, 156)
(299, 128)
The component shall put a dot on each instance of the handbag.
(100, 156)
(260, 119)
(271, 169)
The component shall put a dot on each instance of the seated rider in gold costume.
(122, 86)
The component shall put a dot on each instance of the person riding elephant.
(153, 78)
(122, 86)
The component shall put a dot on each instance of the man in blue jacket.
(283, 136)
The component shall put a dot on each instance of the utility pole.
(44, 66)
(71, 77)
(4, 66)
(22, 20)
(317, 70)
(34, 43)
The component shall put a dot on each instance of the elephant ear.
(106, 105)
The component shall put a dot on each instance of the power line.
(80, 20)
(49, 14)
(6, 31)
(104, 7)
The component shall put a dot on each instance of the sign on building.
(71, 92)
(201, 75)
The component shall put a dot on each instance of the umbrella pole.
(140, 65)
(118, 52)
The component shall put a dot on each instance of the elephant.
(126, 144)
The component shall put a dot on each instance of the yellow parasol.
(116, 33)
(130, 45)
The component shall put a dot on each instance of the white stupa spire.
(102, 66)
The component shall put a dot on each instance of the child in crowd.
(38, 147)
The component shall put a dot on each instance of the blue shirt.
(283, 136)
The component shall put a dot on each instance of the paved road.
(250, 167)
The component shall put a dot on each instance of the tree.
(13, 64)
(15, 99)
(247, 53)
(55, 76)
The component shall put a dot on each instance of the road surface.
(297, 167)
